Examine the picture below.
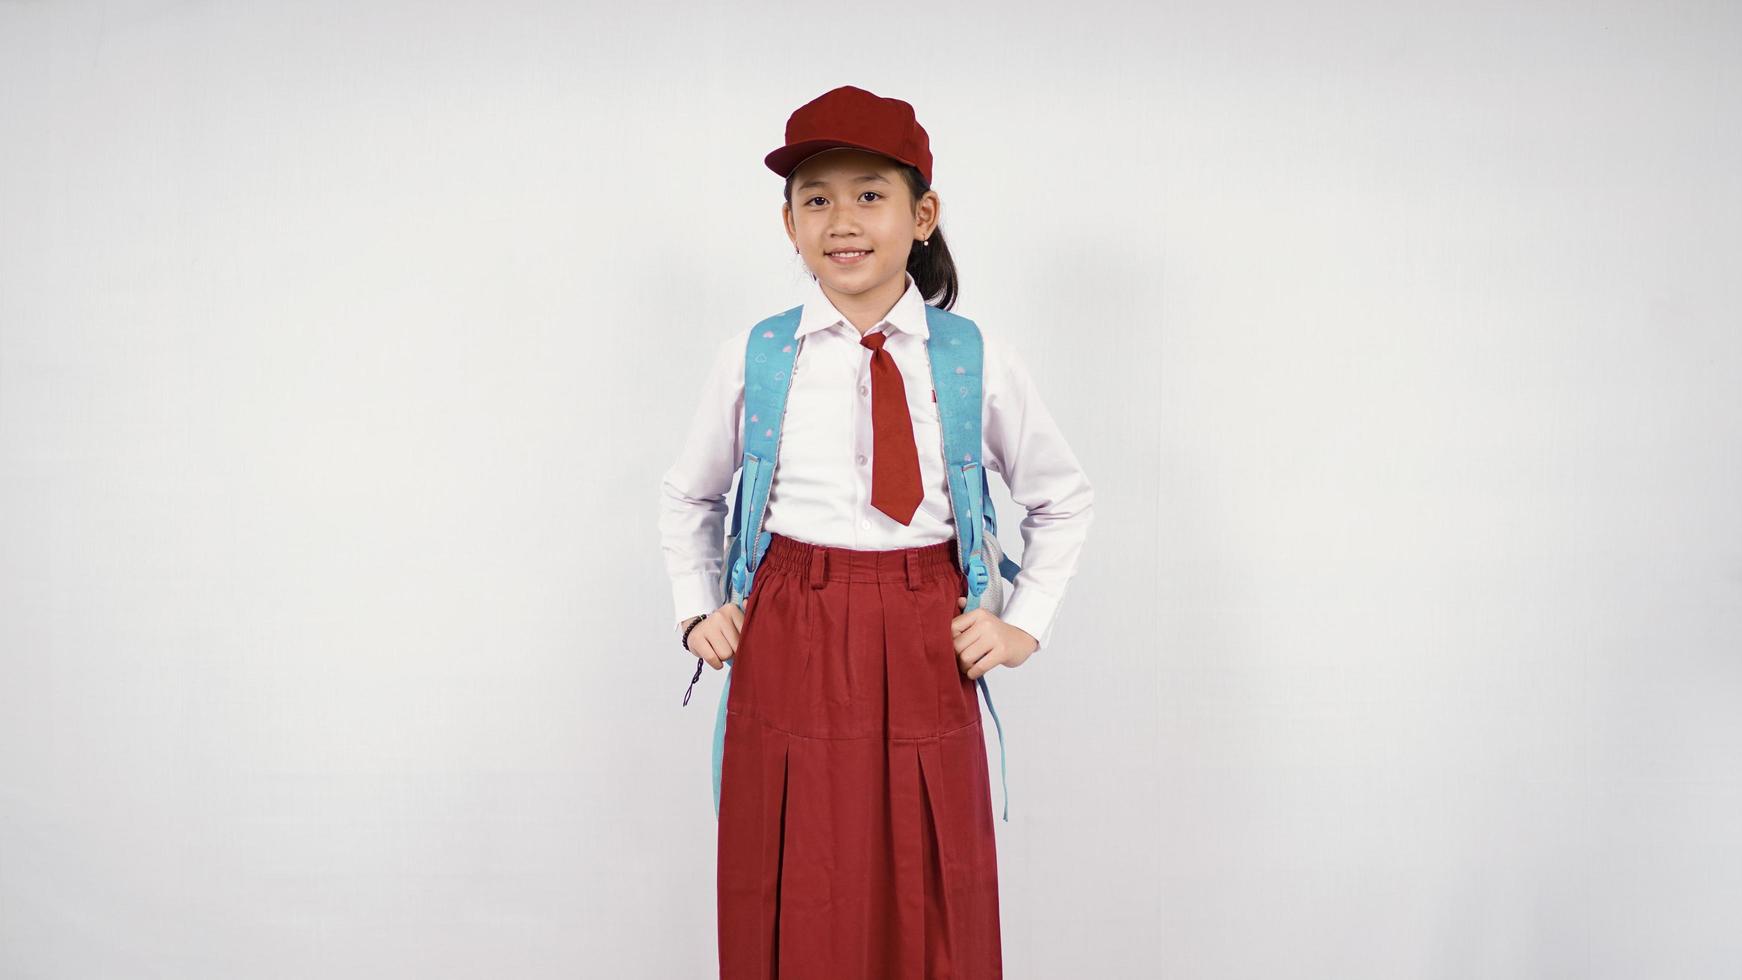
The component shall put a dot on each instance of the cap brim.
(786, 159)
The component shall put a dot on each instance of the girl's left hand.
(984, 641)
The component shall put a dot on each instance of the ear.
(786, 219)
(925, 214)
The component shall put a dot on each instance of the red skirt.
(855, 828)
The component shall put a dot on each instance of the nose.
(842, 224)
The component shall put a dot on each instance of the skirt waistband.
(824, 563)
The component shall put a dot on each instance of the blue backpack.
(955, 353)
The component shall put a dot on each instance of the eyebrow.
(819, 182)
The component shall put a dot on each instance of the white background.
(342, 346)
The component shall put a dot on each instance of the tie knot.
(873, 340)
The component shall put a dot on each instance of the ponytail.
(932, 268)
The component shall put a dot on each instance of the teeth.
(847, 255)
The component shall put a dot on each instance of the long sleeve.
(1025, 447)
(692, 504)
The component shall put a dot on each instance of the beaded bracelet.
(697, 621)
(699, 661)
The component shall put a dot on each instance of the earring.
(926, 242)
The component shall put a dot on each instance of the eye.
(814, 199)
(872, 193)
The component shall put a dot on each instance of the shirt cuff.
(1032, 611)
(694, 595)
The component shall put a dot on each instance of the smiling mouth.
(848, 256)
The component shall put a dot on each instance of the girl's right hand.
(715, 639)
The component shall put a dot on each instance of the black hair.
(932, 268)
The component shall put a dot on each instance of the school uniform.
(855, 823)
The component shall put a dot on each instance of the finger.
(737, 615)
(966, 621)
(989, 657)
(984, 665)
(974, 647)
(730, 629)
(965, 663)
(705, 651)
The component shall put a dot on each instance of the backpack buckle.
(978, 577)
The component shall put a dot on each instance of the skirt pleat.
(856, 829)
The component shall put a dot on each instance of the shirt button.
(865, 524)
(861, 459)
(864, 390)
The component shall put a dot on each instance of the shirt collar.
(907, 315)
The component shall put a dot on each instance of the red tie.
(895, 486)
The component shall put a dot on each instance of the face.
(847, 200)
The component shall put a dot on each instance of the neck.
(867, 309)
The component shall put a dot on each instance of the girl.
(855, 817)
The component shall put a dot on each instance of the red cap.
(849, 116)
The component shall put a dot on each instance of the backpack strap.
(955, 354)
(957, 358)
(769, 354)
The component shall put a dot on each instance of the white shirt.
(821, 491)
